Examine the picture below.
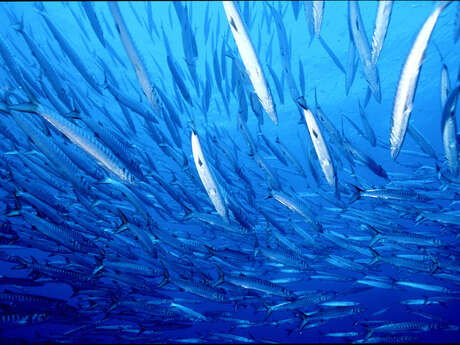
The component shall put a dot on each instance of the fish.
(71, 53)
(362, 46)
(134, 57)
(381, 26)
(91, 14)
(81, 138)
(367, 127)
(207, 178)
(156, 252)
(457, 25)
(318, 8)
(449, 130)
(407, 84)
(331, 54)
(321, 149)
(250, 60)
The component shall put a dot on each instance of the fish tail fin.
(435, 264)
(269, 310)
(187, 211)
(165, 275)
(304, 320)
(21, 263)
(19, 25)
(256, 246)
(34, 260)
(105, 83)
(72, 115)
(124, 222)
(17, 208)
(370, 332)
(376, 256)
(97, 270)
(187, 216)
(210, 251)
(443, 4)
(302, 103)
(356, 193)
(220, 280)
(114, 305)
(419, 219)
(27, 107)
(376, 238)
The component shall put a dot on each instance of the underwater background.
(160, 182)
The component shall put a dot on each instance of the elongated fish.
(445, 84)
(320, 147)
(457, 24)
(134, 57)
(408, 82)
(250, 60)
(449, 130)
(381, 26)
(362, 45)
(72, 54)
(80, 137)
(314, 15)
(367, 126)
(331, 54)
(91, 14)
(207, 179)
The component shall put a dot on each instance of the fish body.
(362, 45)
(408, 82)
(207, 178)
(250, 60)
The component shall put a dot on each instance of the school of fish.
(158, 185)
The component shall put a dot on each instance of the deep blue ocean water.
(141, 258)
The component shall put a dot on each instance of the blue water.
(166, 234)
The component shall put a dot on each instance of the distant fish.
(351, 65)
(250, 60)
(134, 57)
(331, 54)
(457, 24)
(408, 82)
(72, 54)
(91, 14)
(367, 126)
(421, 141)
(445, 84)
(362, 45)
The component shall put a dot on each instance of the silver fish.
(408, 82)
(250, 60)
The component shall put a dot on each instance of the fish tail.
(376, 238)
(269, 310)
(97, 270)
(17, 208)
(21, 263)
(210, 251)
(19, 25)
(220, 280)
(376, 255)
(165, 275)
(124, 222)
(356, 193)
(27, 107)
(304, 320)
